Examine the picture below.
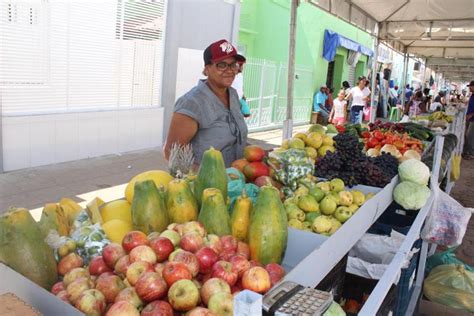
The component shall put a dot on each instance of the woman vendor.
(209, 114)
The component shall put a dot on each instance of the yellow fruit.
(158, 176)
(301, 136)
(311, 152)
(284, 144)
(323, 149)
(116, 229)
(296, 143)
(328, 141)
(314, 140)
(118, 209)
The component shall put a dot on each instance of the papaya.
(93, 210)
(213, 214)
(71, 209)
(22, 247)
(181, 203)
(53, 218)
(149, 212)
(240, 219)
(211, 174)
(160, 177)
(268, 231)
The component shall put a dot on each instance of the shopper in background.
(412, 108)
(425, 102)
(347, 87)
(209, 114)
(338, 113)
(440, 98)
(408, 93)
(319, 101)
(329, 101)
(469, 138)
(359, 96)
(393, 93)
(238, 85)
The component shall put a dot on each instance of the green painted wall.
(264, 32)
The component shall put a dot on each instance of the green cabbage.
(415, 171)
(412, 196)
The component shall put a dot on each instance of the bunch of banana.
(440, 116)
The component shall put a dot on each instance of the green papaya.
(181, 203)
(240, 219)
(211, 174)
(214, 215)
(149, 212)
(53, 218)
(268, 232)
(23, 248)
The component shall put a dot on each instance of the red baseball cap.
(220, 50)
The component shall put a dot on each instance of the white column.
(373, 110)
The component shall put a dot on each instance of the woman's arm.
(182, 130)
(348, 96)
(331, 114)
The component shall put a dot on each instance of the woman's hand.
(182, 130)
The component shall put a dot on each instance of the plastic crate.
(334, 281)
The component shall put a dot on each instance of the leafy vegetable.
(410, 195)
(415, 171)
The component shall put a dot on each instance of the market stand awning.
(437, 30)
(333, 40)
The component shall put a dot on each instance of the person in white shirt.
(359, 95)
(338, 112)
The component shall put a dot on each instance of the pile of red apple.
(180, 270)
(252, 165)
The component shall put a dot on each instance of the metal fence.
(265, 84)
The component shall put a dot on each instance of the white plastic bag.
(447, 222)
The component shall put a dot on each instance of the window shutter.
(59, 56)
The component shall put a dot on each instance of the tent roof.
(438, 30)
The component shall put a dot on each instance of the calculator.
(289, 298)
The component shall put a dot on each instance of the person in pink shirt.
(338, 112)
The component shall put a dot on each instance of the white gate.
(265, 83)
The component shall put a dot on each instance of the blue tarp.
(333, 40)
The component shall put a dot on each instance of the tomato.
(372, 142)
(378, 135)
(365, 134)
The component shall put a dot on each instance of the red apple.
(159, 267)
(229, 242)
(226, 254)
(191, 242)
(133, 239)
(136, 269)
(173, 254)
(243, 249)
(214, 242)
(157, 308)
(110, 286)
(200, 311)
(151, 286)
(254, 263)
(189, 259)
(256, 279)
(275, 271)
(91, 302)
(122, 265)
(206, 257)
(153, 235)
(237, 287)
(222, 304)
(98, 266)
(122, 308)
(240, 263)
(213, 286)
(172, 235)
(75, 274)
(142, 253)
(162, 247)
(69, 262)
(75, 289)
(179, 228)
(183, 295)
(130, 295)
(57, 287)
(102, 276)
(62, 295)
(175, 271)
(194, 227)
(112, 253)
(226, 271)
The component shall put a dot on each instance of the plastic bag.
(445, 257)
(334, 310)
(451, 285)
(235, 185)
(447, 222)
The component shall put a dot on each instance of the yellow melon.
(118, 209)
(116, 229)
(160, 177)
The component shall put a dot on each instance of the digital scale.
(289, 298)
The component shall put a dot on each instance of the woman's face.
(361, 83)
(223, 72)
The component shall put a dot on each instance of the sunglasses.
(224, 66)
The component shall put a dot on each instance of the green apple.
(353, 208)
(310, 217)
(337, 185)
(317, 193)
(308, 203)
(302, 190)
(335, 196)
(296, 213)
(328, 205)
(342, 214)
(322, 224)
(295, 224)
(290, 201)
(325, 186)
(335, 225)
(358, 197)
(345, 198)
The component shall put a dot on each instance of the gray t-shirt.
(224, 129)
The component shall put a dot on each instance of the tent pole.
(288, 123)
(373, 109)
(404, 78)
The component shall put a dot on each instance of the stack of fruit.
(252, 165)
(323, 207)
(182, 269)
